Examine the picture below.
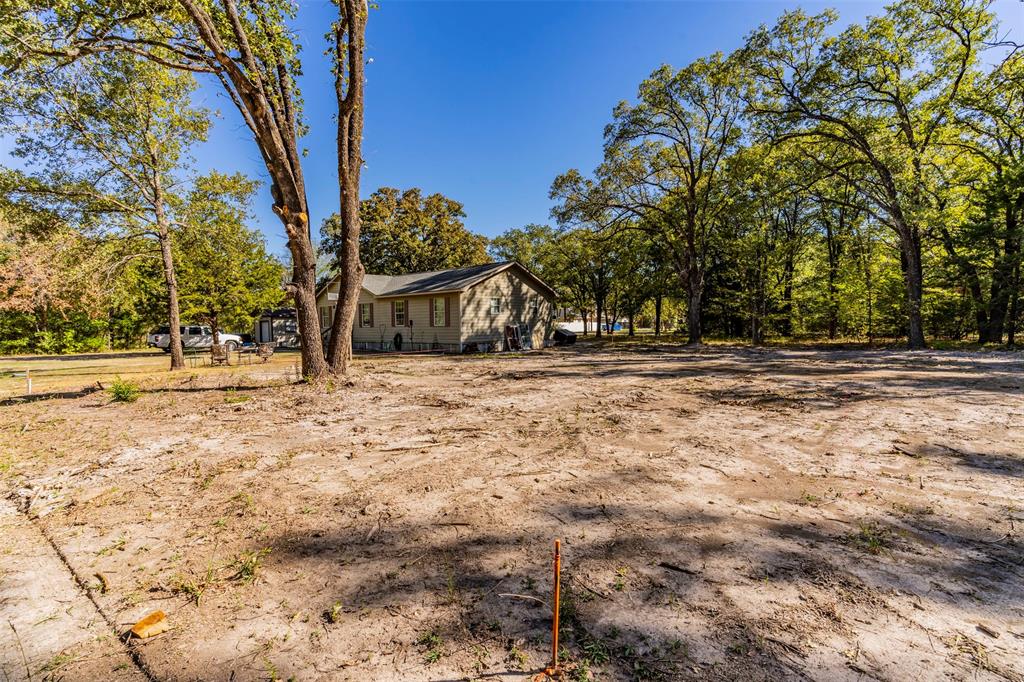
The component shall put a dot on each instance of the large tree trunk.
(913, 279)
(788, 269)
(832, 245)
(167, 261)
(265, 100)
(1003, 273)
(303, 288)
(349, 41)
(693, 316)
(657, 315)
(599, 317)
(1011, 322)
(970, 274)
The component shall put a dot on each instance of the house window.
(439, 312)
(399, 308)
(495, 306)
(325, 316)
(535, 305)
(365, 314)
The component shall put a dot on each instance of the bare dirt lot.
(725, 513)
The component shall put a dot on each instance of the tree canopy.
(404, 231)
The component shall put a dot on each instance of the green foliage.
(124, 391)
(860, 182)
(432, 645)
(404, 231)
(247, 565)
(225, 275)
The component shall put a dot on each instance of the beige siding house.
(456, 310)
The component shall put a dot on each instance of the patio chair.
(219, 354)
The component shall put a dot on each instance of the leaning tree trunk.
(303, 289)
(266, 101)
(349, 41)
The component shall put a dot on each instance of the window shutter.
(430, 303)
(393, 314)
(371, 313)
(408, 317)
(447, 311)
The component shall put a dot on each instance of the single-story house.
(279, 326)
(452, 310)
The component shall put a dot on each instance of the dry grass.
(146, 368)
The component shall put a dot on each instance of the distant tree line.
(860, 183)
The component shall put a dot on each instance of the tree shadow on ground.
(623, 561)
(952, 372)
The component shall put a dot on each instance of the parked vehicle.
(192, 336)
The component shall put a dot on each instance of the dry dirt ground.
(725, 514)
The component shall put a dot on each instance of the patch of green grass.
(586, 649)
(581, 672)
(195, 588)
(913, 510)
(620, 579)
(807, 499)
(207, 480)
(245, 502)
(517, 657)
(117, 544)
(123, 391)
(57, 662)
(234, 399)
(432, 643)
(871, 537)
(247, 565)
(333, 614)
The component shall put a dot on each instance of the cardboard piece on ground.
(151, 625)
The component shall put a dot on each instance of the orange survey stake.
(553, 671)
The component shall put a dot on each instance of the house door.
(265, 335)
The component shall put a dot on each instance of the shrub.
(122, 391)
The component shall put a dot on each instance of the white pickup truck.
(192, 336)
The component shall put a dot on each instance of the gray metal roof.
(430, 282)
(438, 281)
